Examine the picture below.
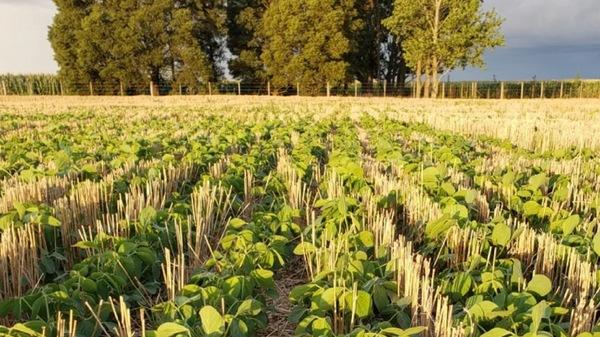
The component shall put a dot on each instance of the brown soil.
(286, 279)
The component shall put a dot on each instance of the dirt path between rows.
(286, 279)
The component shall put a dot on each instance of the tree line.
(189, 43)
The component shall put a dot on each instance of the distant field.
(268, 216)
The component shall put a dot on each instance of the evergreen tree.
(244, 19)
(441, 35)
(209, 31)
(182, 42)
(62, 36)
(191, 67)
(376, 54)
(306, 42)
(135, 42)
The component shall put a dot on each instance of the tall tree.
(101, 42)
(244, 41)
(136, 41)
(376, 54)
(209, 31)
(191, 66)
(62, 36)
(441, 35)
(306, 42)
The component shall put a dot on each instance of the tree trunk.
(434, 77)
(435, 63)
(418, 80)
(173, 78)
(427, 92)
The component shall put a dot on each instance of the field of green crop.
(242, 217)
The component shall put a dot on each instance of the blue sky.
(549, 39)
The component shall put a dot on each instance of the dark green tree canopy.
(134, 41)
(188, 43)
(243, 39)
(307, 41)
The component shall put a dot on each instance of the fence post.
(542, 90)
(269, 88)
(443, 90)
(151, 88)
(239, 88)
(522, 90)
(4, 92)
(328, 90)
(384, 88)
(298, 89)
(121, 88)
(209, 89)
(501, 90)
(62, 90)
(91, 88)
(355, 88)
(30, 86)
(562, 89)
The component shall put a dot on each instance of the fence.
(51, 85)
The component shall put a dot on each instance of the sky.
(548, 39)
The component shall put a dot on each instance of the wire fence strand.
(52, 86)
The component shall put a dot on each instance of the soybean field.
(225, 216)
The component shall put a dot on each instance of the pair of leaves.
(213, 325)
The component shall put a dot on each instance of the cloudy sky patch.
(548, 39)
(24, 36)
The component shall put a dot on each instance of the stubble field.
(253, 216)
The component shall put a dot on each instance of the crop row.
(167, 224)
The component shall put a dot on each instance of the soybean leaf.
(501, 234)
(212, 322)
(540, 285)
(360, 301)
(596, 243)
(171, 329)
(497, 332)
(531, 208)
(570, 224)
(304, 248)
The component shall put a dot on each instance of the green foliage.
(244, 19)
(540, 285)
(182, 43)
(306, 42)
(133, 42)
(354, 286)
(441, 35)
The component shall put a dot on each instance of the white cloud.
(42, 3)
(24, 36)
